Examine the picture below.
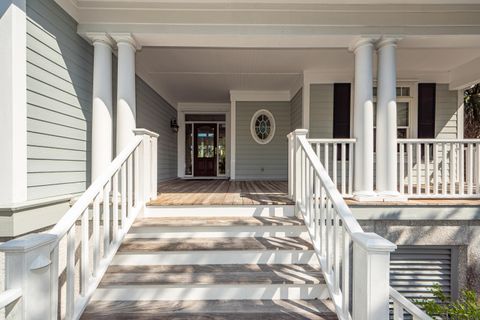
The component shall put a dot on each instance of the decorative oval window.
(262, 126)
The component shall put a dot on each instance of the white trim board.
(221, 211)
(239, 95)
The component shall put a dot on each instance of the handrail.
(333, 231)
(9, 296)
(72, 215)
(333, 140)
(401, 304)
(421, 140)
(337, 200)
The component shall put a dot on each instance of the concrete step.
(211, 309)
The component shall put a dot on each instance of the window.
(262, 126)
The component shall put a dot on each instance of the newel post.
(371, 276)
(297, 164)
(148, 164)
(154, 170)
(291, 164)
(28, 267)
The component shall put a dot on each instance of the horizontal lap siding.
(321, 111)
(251, 157)
(59, 94)
(446, 112)
(296, 111)
(155, 114)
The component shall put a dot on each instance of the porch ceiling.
(208, 74)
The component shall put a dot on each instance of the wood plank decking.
(221, 192)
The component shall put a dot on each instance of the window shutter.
(426, 110)
(415, 269)
(341, 110)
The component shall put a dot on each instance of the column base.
(392, 196)
(364, 196)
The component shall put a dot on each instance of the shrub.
(467, 307)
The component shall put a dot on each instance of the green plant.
(467, 307)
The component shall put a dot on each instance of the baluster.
(344, 189)
(115, 207)
(316, 210)
(85, 273)
(336, 253)
(435, 168)
(106, 219)
(96, 235)
(317, 150)
(401, 178)
(325, 156)
(452, 168)
(477, 168)
(397, 311)
(345, 272)
(350, 167)
(322, 221)
(136, 178)
(123, 194)
(70, 278)
(470, 169)
(302, 192)
(444, 168)
(307, 192)
(328, 220)
(334, 165)
(461, 174)
(310, 194)
(129, 187)
(419, 168)
(410, 168)
(427, 168)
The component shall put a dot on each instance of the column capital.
(100, 37)
(362, 41)
(126, 38)
(387, 41)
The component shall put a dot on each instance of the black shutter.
(426, 110)
(341, 110)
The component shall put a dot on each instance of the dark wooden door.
(205, 146)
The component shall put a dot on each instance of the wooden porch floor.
(221, 192)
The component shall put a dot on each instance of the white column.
(126, 105)
(386, 165)
(102, 125)
(363, 119)
(13, 102)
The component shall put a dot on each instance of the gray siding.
(256, 161)
(446, 111)
(296, 111)
(321, 111)
(59, 94)
(154, 113)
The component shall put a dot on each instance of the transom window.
(262, 126)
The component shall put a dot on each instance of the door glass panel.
(221, 148)
(206, 142)
(188, 148)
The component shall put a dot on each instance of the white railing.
(334, 232)
(336, 156)
(432, 168)
(96, 224)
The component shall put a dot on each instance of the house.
(238, 158)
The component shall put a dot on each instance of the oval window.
(262, 126)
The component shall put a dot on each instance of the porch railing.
(441, 168)
(339, 241)
(95, 225)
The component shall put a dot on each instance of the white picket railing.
(116, 198)
(430, 168)
(334, 232)
(336, 156)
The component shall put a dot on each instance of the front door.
(205, 145)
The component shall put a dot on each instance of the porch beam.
(363, 118)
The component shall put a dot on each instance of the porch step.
(212, 309)
(217, 227)
(197, 211)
